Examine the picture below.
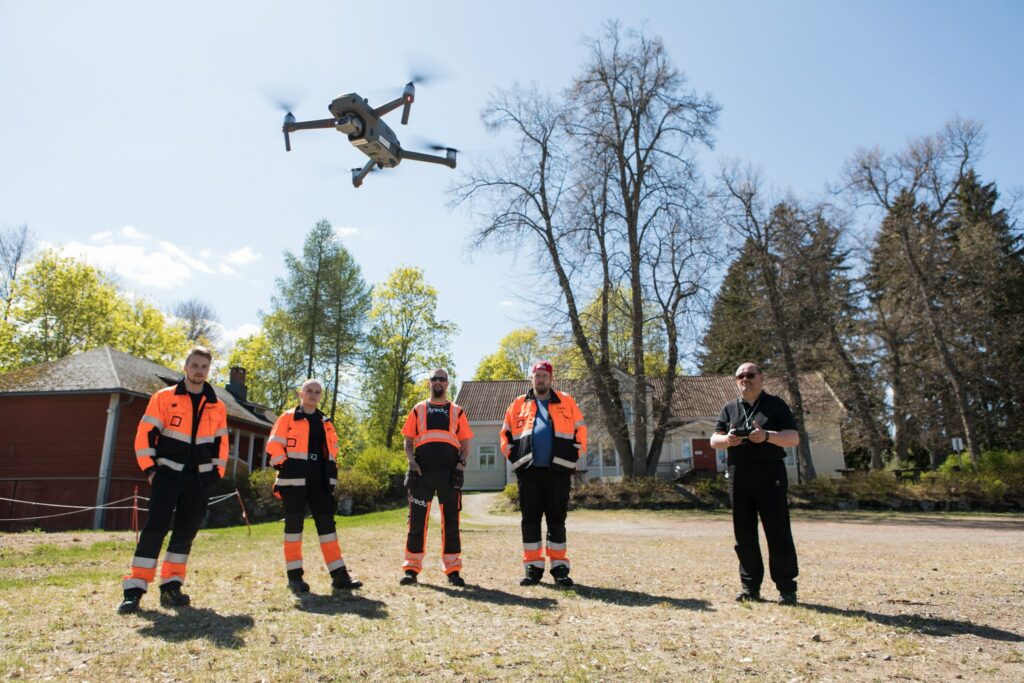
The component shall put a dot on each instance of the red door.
(704, 456)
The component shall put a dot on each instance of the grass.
(894, 597)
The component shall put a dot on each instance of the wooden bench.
(908, 474)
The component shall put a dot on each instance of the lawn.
(917, 597)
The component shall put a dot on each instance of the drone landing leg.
(359, 174)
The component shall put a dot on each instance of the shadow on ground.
(627, 598)
(493, 595)
(191, 623)
(929, 626)
(342, 604)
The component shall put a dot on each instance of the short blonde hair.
(199, 351)
(312, 380)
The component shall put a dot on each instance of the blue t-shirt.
(543, 436)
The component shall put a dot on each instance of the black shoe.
(340, 580)
(298, 586)
(749, 595)
(173, 597)
(787, 598)
(532, 577)
(409, 578)
(561, 576)
(456, 580)
(564, 581)
(130, 604)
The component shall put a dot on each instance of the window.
(487, 456)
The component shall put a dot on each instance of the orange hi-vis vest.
(416, 427)
(570, 431)
(164, 436)
(288, 447)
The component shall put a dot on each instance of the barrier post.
(135, 513)
(244, 515)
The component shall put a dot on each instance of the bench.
(908, 474)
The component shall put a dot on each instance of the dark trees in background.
(15, 246)
(202, 323)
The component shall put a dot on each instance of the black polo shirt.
(768, 411)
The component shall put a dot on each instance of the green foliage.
(639, 492)
(406, 339)
(378, 462)
(363, 488)
(274, 363)
(516, 351)
(511, 494)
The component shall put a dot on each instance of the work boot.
(456, 580)
(532, 577)
(409, 578)
(787, 598)
(340, 580)
(561, 576)
(748, 595)
(130, 605)
(298, 586)
(173, 597)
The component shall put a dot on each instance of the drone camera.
(350, 125)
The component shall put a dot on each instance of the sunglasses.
(746, 375)
(438, 379)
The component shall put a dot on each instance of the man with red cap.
(544, 436)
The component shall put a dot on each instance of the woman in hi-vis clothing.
(303, 448)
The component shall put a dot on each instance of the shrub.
(258, 494)
(642, 492)
(379, 463)
(511, 494)
(362, 488)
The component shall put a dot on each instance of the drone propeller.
(436, 146)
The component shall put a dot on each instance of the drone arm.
(447, 160)
(359, 174)
(389, 107)
(308, 125)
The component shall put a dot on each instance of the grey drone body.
(366, 130)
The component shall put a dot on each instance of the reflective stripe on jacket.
(570, 431)
(164, 436)
(288, 448)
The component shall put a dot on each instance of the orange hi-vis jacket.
(164, 437)
(416, 427)
(289, 443)
(570, 438)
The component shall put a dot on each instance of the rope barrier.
(112, 505)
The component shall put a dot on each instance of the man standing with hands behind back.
(756, 429)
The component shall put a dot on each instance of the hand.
(410, 480)
(458, 478)
(758, 435)
(734, 440)
(414, 466)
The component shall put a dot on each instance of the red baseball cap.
(542, 365)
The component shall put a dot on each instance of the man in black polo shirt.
(756, 429)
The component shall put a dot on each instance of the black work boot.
(788, 598)
(748, 595)
(456, 580)
(561, 576)
(532, 577)
(340, 580)
(173, 597)
(298, 586)
(130, 605)
(409, 578)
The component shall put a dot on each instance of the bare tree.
(15, 246)
(917, 188)
(603, 186)
(202, 321)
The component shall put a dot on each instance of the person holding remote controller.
(756, 429)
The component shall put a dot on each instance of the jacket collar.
(208, 392)
(552, 396)
(302, 415)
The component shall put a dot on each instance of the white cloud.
(130, 232)
(161, 269)
(241, 257)
(347, 231)
(508, 303)
(230, 337)
(102, 236)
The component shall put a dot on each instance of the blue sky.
(140, 136)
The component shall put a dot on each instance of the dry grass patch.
(883, 598)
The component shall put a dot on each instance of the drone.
(366, 130)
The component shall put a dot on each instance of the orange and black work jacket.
(437, 443)
(164, 438)
(570, 438)
(288, 448)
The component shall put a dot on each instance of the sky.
(142, 136)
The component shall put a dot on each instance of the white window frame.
(492, 456)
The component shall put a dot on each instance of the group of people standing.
(182, 446)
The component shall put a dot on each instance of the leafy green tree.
(144, 331)
(516, 351)
(405, 340)
(274, 362)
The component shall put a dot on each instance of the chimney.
(236, 383)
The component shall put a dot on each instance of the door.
(704, 457)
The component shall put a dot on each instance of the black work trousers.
(176, 504)
(760, 489)
(321, 503)
(426, 486)
(544, 493)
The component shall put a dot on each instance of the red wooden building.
(67, 433)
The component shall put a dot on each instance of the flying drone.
(366, 130)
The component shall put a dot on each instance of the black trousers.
(428, 485)
(544, 493)
(760, 490)
(318, 498)
(176, 504)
